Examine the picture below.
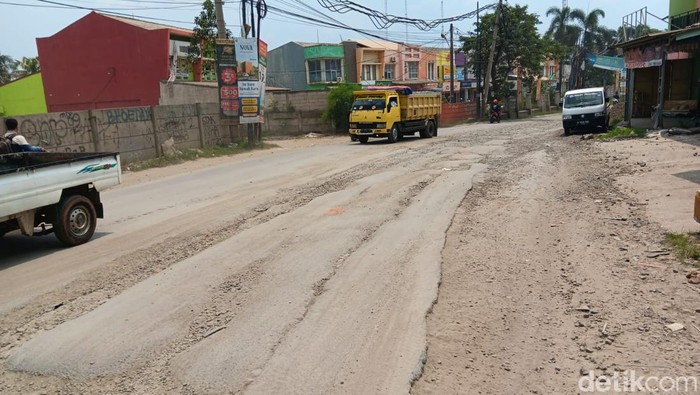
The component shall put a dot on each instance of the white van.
(585, 109)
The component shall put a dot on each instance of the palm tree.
(562, 28)
(607, 38)
(591, 29)
(7, 67)
(564, 32)
(30, 65)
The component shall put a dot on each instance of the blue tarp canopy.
(399, 88)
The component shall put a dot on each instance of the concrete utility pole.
(487, 80)
(220, 24)
(452, 62)
(478, 66)
(452, 65)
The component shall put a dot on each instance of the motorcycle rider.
(495, 109)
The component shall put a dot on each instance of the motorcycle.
(495, 114)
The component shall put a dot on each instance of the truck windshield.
(583, 100)
(368, 104)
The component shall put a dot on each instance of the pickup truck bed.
(58, 192)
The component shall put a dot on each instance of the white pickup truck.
(42, 193)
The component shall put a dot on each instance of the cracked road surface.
(325, 266)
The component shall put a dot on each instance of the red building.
(103, 61)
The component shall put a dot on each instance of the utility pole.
(221, 33)
(220, 24)
(487, 80)
(478, 65)
(452, 65)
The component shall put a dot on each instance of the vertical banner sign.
(262, 70)
(226, 68)
(249, 88)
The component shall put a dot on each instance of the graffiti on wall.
(134, 132)
(211, 131)
(178, 124)
(125, 115)
(67, 131)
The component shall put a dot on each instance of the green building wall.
(24, 96)
(681, 6)
(324, 51)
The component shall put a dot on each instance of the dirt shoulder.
(280, 144)
(554, 275)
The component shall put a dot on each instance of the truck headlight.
(381, 126)
(567, 117)
(599, 114)
(353, 126)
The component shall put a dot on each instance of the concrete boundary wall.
(135, 132)
(286, 113)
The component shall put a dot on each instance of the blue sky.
(24, 22)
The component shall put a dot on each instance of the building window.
(431, 71)
(389, 71)
(183, 68)
(369, 72)
(324, 70)
(412, 70)
(315, 72)
(551, 70)
(333, 69)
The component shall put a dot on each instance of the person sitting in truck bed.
(19, 143)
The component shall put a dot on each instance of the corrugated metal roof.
(653, 37)
(649, 38)
(148, 25)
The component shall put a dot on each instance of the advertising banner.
(242, 71)
(262, 71)
(607, 62)
(227, 77)
(642, 58)
(249, 88)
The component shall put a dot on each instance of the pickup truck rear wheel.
(75, 220)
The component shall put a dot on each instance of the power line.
(384, 21)
(289, 15)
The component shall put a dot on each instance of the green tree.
(591, 39)
(563, 35)
(519, 46)
(27, 66)
(625, 33)
(339, 106)
(203, 41)
(594, 39)
(562, 28)
(7, 68)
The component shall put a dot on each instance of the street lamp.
(452, 62)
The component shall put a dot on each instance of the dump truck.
(394, 112)
(47, 192)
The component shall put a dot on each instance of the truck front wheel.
(363, 139)
(394, 134)
(75, 220)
